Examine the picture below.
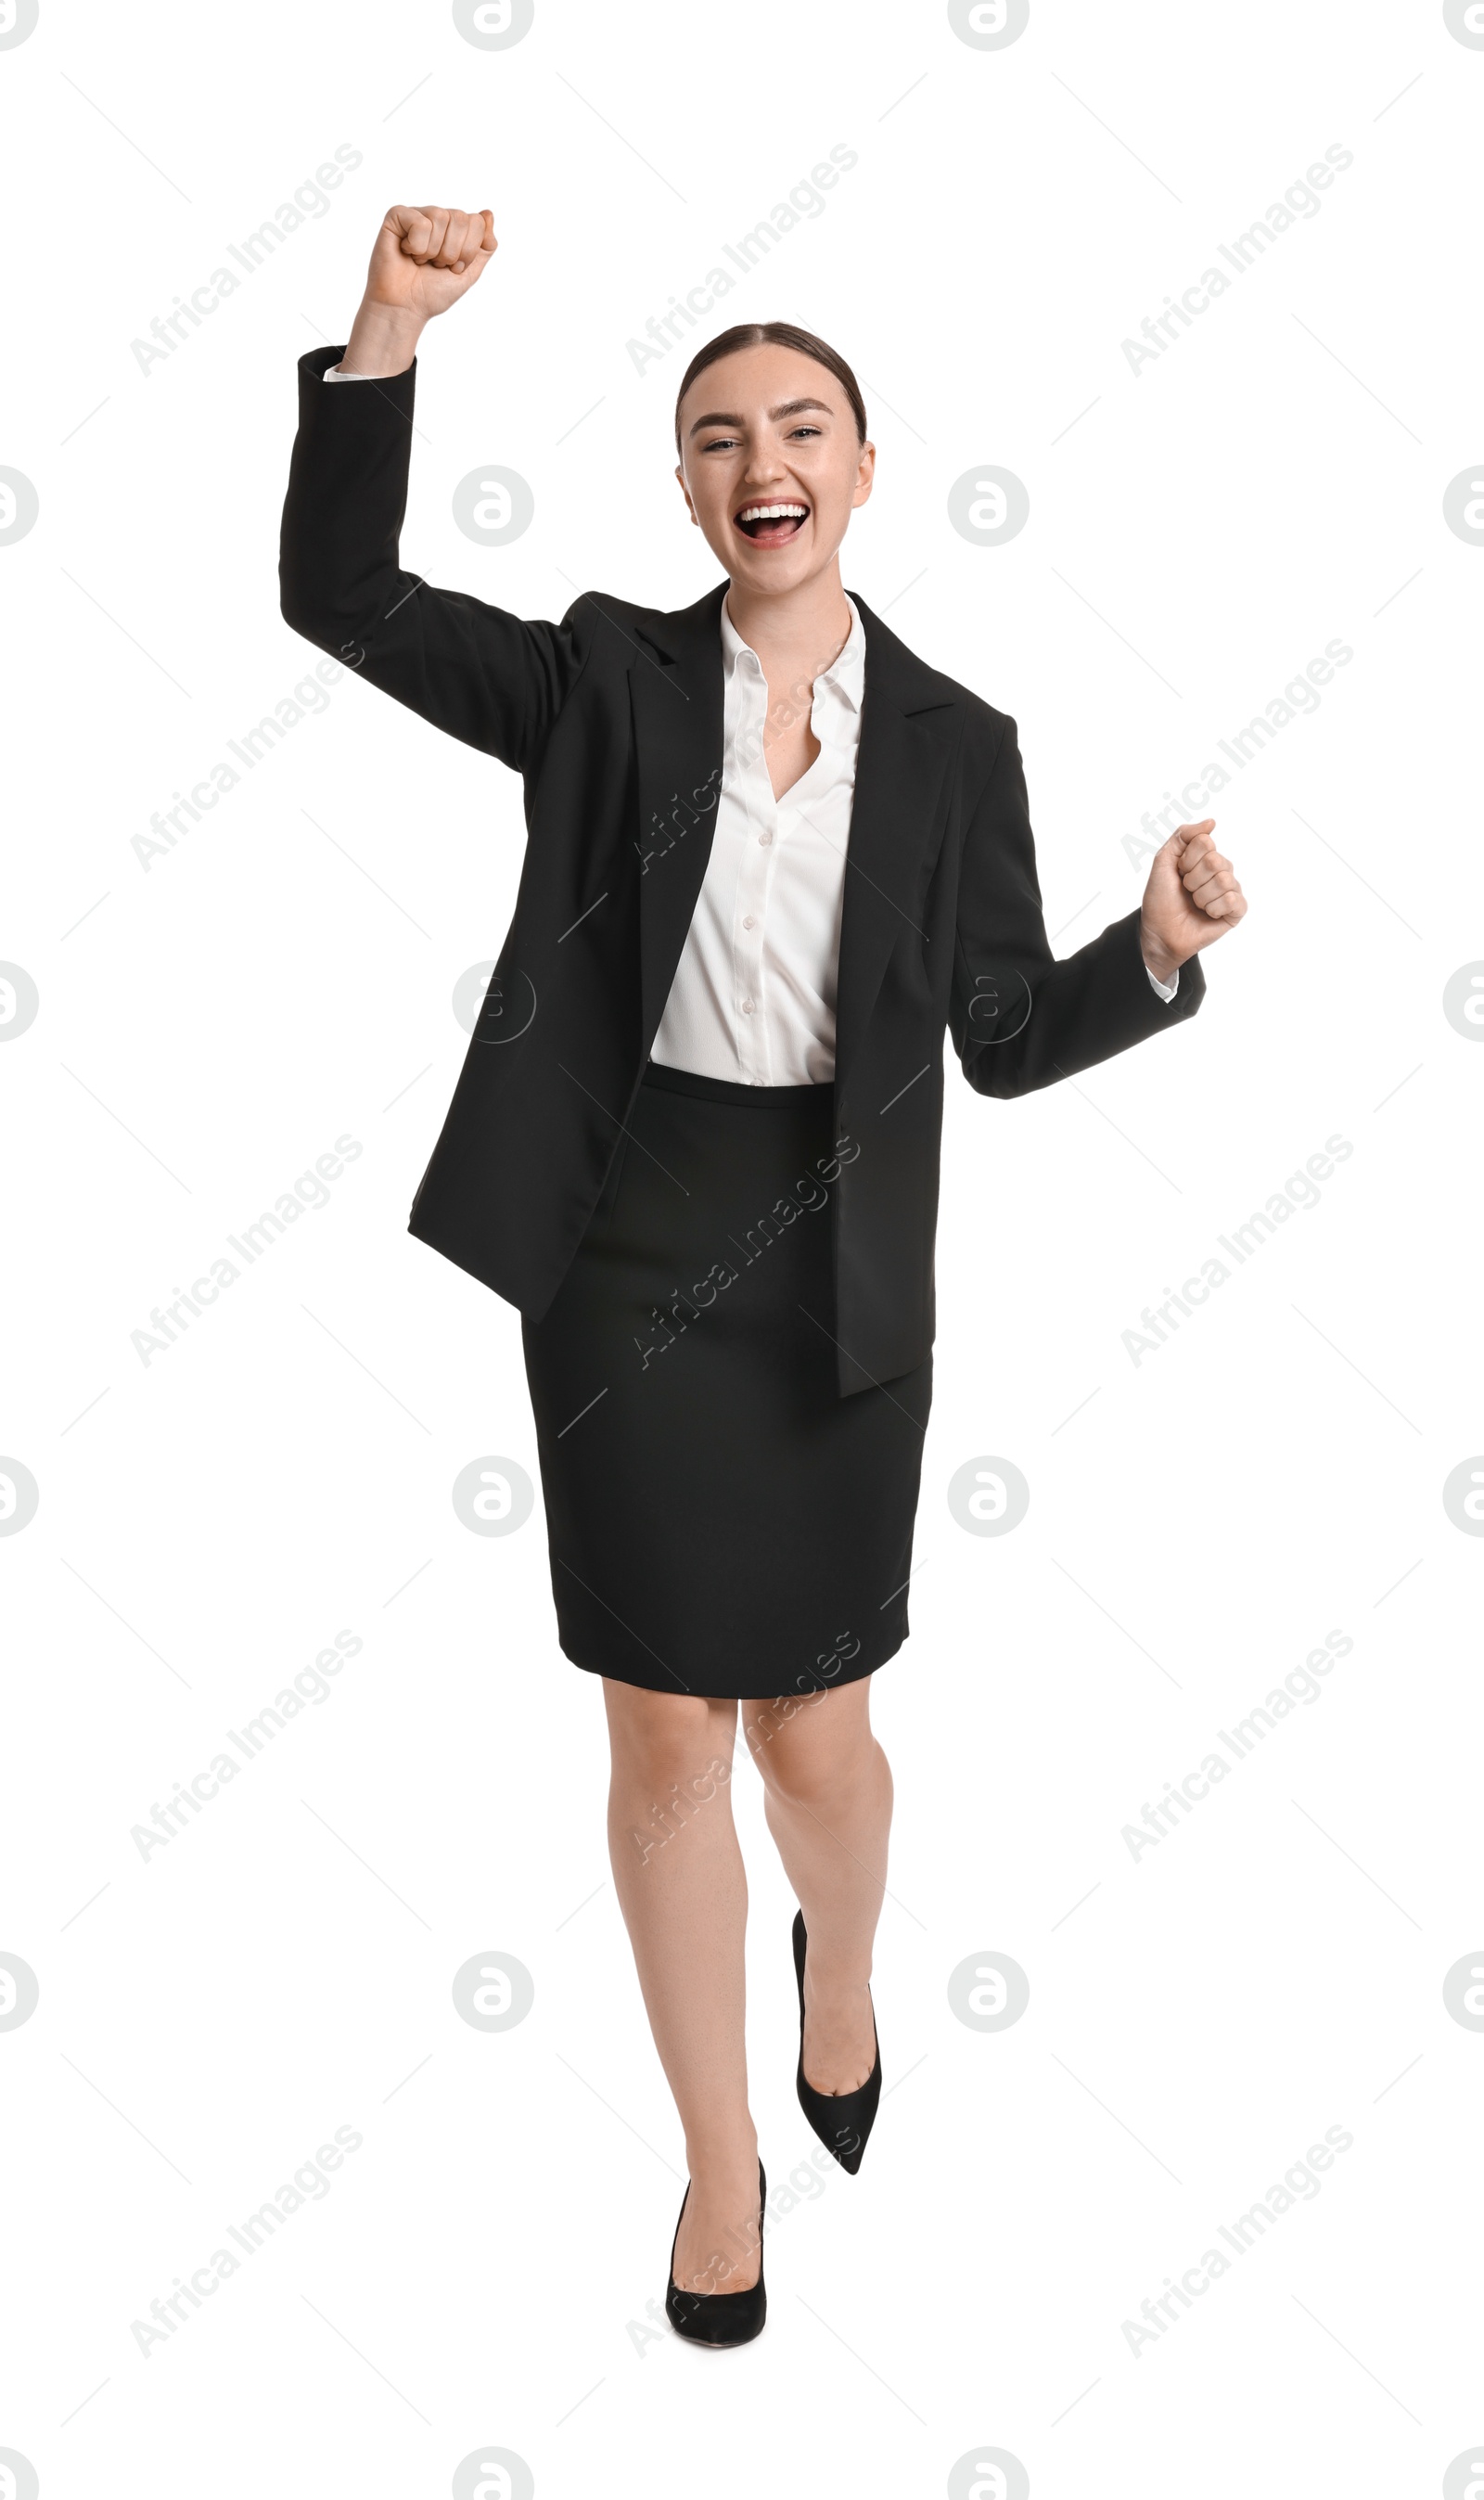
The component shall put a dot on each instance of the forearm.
(477, 672)
(338, 570)
(1068, 1015)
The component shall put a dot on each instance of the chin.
(772, 575)
(784, 569)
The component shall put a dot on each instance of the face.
(770, 464)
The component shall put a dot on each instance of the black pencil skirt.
(720, 1521)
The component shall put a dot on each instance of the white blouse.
(753, 995)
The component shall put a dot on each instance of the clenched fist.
(423, 260)
(1191, 900)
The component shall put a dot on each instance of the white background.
(210, 1024)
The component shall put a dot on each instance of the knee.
(809, 1758)
(664, 1740)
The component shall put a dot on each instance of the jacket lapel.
(675, 693)
(908, 731)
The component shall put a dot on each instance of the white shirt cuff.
(1165, 990)
(338, 373)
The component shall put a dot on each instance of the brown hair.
(773, 333)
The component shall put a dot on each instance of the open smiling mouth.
(771, 524)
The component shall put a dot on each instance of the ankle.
(720, 2159)
(846, 1975)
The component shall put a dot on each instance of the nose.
(763, 468)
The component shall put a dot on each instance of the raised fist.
(424, 259)
(1192, 899)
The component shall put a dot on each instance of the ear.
(865, 476)
(686, 491)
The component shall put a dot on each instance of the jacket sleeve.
(484, 675)
(1019, 1017)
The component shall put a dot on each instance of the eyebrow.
(785, 407)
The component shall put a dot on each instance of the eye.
(805, 431)
(720, 443)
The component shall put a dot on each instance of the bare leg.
(678, 1874)
(828, 1798)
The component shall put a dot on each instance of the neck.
(795, 633)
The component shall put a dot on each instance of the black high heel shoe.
(720, 2317)
(841, 2121)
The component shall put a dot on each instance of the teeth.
(775, 512)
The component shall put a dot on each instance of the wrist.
(383, 341)
(1158, 958)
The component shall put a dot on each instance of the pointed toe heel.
(720, 2317)
(841, 2121)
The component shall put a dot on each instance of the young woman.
(772, 857)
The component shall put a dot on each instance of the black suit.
(613, 718)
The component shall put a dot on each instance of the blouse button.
(749, 922)
(765, 840)
(748, 1006)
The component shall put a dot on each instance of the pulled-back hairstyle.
(773, 333)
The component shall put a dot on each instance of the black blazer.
(613, 718)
